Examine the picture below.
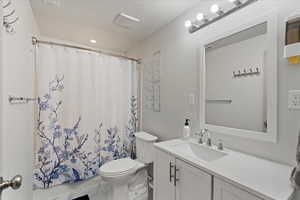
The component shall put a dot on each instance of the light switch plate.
(294, 99)
(191, 99)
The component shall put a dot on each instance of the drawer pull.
(175, 176)
(171, 166)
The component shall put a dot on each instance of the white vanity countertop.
(263, 178)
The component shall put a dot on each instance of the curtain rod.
(36, 41)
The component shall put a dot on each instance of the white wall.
(17, 78)
(180, 76)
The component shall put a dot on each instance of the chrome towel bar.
(17, 100)
(228, 101)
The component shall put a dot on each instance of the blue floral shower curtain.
(86, 113)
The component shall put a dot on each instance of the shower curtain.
(86, 113)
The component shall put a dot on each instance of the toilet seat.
(119, 167)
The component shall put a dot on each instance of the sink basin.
(198, 151)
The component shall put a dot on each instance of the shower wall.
(66, 191)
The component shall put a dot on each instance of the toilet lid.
(117, 167)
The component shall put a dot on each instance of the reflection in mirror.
(236, 81)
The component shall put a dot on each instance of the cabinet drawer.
(193, 183)
(226, 191)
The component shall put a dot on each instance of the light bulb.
(93, 41)
(188, 23)
(200, 16)
(214, 8)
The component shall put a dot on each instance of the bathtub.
(96, 188)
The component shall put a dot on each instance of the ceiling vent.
(126, 21)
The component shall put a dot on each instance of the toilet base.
(120, 190)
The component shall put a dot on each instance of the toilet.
(119, 172)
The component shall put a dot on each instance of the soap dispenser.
(186, 129)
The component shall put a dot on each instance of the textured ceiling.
(82, 20)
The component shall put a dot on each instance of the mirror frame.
(271, 65)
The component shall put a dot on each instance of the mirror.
(235, 80)
(240, 82)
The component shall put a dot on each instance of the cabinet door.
(164, 165)
(193, 183)
(226, 191)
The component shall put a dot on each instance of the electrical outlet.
(294, 99)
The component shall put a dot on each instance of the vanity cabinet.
(177, 180)
(226, 191)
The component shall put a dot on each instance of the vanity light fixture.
(235, 2)
(194, 26)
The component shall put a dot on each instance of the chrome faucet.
(220, 145)
(208, 141)
(200, 140)
(202, 134)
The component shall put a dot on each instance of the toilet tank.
(145, 147)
